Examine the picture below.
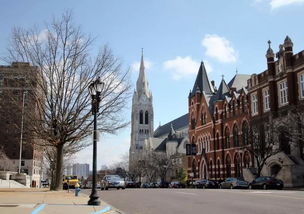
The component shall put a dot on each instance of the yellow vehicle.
(70, 181)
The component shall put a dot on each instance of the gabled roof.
(202, 83)
(222, 91)
(179, 123)
(239, 81)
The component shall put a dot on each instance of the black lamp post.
(95, 91)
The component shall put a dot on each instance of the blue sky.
(176, 35)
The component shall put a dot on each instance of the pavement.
(43, 201)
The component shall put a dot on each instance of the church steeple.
(142, 83)
(202, 83)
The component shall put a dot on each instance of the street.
(211, 201)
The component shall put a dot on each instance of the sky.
(176, 35)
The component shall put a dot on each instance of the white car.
(112, 181)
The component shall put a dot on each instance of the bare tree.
(64, 69)
(264, 144)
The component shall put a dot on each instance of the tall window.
(141, 117)
(254, 104)
(283, 92)
(217, 143)
(211, 169)
(266, 99)
(146, 117)
(245, 133)
(227, 138)
(235, 136)
(301, 85)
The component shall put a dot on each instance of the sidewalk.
(43, 201)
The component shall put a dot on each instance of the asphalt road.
(201, 201)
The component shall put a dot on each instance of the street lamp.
(95, 89)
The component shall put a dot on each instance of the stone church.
(170, 138)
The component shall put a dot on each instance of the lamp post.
(95, 89)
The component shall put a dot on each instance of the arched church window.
(146, 117)
(245, 133)
(141, 117)
(235, 136)
(227, 138)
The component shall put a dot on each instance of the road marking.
(106, 209)
(38, 209)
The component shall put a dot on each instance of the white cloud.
(280, 3)
(135, 66)
(181, 67)
(219, 48)
(274, 4)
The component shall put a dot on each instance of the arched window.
(210, 169)
(216, 114)
(245, 133)
(228, 166)
(217, 143)
(227, 138)
(235, 136)
(237, 166)
(218, 169)
(146, 117)
(225, 112)
(141, 117)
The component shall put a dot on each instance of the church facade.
(170, 138)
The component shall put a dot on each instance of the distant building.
(14, 81)
(170, 138)
(81, 170)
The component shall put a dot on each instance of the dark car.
(130, 184)
(163, 184)
(205, 183)
(231, 183)
(266, 182)
(176, 184)
(145, 185)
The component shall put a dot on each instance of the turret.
(288, 51)
(270, 60)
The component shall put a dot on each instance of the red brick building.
(275, 96)
(219, 126)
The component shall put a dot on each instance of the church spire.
(142, 83)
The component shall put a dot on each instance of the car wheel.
(117, 188)
(123, 188)
(65, 186)
(106, 188)
(264, 186)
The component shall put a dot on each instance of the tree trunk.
(58, 172)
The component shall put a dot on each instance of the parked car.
(163, 184)
(176, 184)
(112, 181)
(266, 182)
(130, 184)
(205, 183)
(45, 183)
(70, 181)
(234, 183)
(145, 185)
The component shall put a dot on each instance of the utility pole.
(21, 134)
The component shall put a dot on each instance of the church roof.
(202, 83)
(239, 81)
(179, 123)
(142, 83)
(162, 145)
